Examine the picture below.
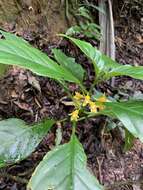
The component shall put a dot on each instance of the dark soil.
(19, 98)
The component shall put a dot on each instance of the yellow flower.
(74, 115)
(86, 100)
(102, 99)
(78, 96)
(101, 107)
(93, 107)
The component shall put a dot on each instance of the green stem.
(88, 116)
(62, 120)
(73, 129)
(81, 118)
(63, 84)
(95, 82)
(95, 68)
(96, 76)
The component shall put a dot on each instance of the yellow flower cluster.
(74, 115)
(85, 100)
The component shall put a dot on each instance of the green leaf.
(69, 63)
(82, 11)
(91, 52)
(104, 64)
(127, 70)
(100, 61)
(129, 113)
(18, 140)
(91, 30)
(73, 30)
(64, 168)
(15, 51)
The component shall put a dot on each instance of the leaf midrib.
(128, 109)
(27, 54)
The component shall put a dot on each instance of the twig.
(123, 183)
(107, 42)
(27, 172)
(15, 178)
(99, 162)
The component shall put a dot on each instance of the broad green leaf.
(127, 70)
(101, 61)
(130, 114)
(15, 51)
(64, 168)
(104, 64)
(18, 140)
(69, 63)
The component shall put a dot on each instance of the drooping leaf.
(101, 61)
(129, 113)
(104, 64)
(69, 63)
(64, 168)
(16, 51)
(18, 140)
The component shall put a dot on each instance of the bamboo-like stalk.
(107, 43)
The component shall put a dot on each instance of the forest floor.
(21, 98)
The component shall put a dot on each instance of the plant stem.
(96, 76)
(93, 85)
(95, 67)
(88, 116)
(80, 119)
(73, 128)
(63, 84)
(62, 120)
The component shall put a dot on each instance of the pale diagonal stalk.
(89, 116)
(73, 129)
